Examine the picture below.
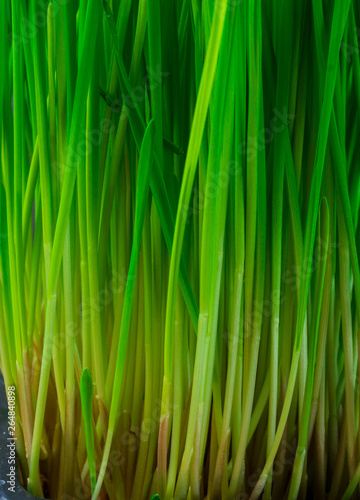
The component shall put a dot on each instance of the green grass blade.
(86, 394)
(92, 21)
(157, 182)
(144, 171)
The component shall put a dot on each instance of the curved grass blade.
(92, 22)
(324, 231)
(341, 10)
(142, 190)
(157, 182)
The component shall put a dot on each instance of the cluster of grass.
(179, 279)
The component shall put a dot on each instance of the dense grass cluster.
(179, 279)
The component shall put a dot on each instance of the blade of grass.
(301, 447)
(86, 394)
(92, 19)
(145, 165)
(339, 18)
(157, 182)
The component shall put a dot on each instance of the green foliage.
(179, 238)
